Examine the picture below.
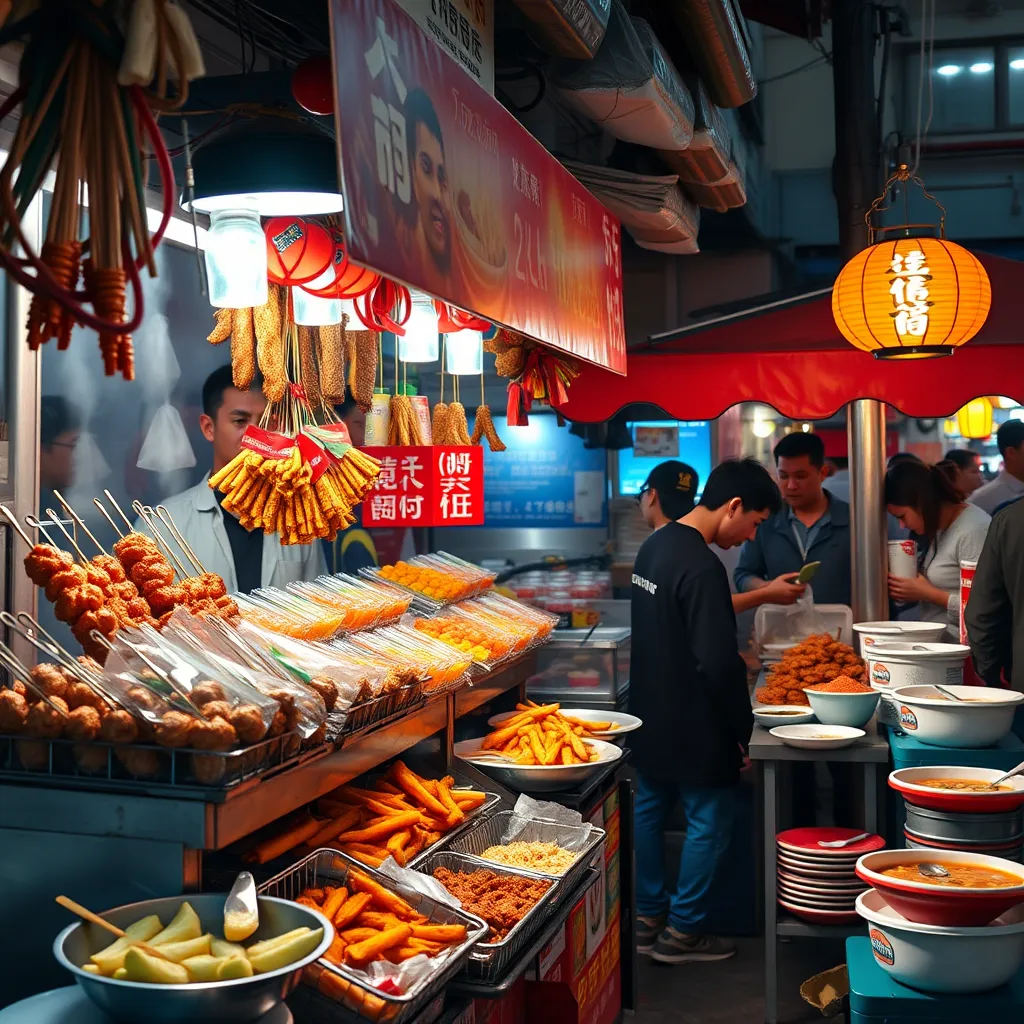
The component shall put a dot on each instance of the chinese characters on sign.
(909, 291)
(446, 191)
(427, 486)
(464, 29)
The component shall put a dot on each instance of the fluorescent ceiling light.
(983, 67)
(1017, 64)
(948, 70)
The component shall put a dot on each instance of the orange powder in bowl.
(841, 684)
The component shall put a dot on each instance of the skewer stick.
(148, 516)
(88, 915)
(167, 677)
(79, 520)
(120, 511)
(165, 518)
(13, 520)
(106, 515)
(17, 668)
(37, 525)
(71, 540)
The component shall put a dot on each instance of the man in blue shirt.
(813, 526)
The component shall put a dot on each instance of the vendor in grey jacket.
(813, 526)
(246, 559)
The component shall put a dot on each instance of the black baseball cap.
(676, 485)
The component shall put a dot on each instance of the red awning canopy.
(790, 355)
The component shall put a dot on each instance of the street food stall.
(360, 743)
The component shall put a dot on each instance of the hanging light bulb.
(236, 259)
(762, 428)
(419, 344)
(312, 310)
(464, 353)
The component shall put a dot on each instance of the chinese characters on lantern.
(427, 486)
(909, 291)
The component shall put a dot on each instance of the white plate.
(817, 914)
(537, 777)
(798, 716)
(817, 737)
(817, 873)
(623, 723)
(820, 885)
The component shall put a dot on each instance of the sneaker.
(674, 947)
(647, 931)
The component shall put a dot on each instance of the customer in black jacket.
(689, 685)
(995, 612)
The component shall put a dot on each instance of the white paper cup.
(903, 559)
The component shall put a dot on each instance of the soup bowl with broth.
(958, 789)
(977, 890)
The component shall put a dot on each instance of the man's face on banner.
(433, 196)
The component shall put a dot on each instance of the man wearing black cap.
(669, 493)
(689, 685)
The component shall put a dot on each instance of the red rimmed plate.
(839, 877)
(931, 903)
(836, 864)
(903, 780)
(817, 916)
(824, 886)
(804, 842)
(819, 902)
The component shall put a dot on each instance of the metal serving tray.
(379, 710)
(575, 838)
(489, 959)
(324, 867)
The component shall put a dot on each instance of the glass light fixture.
(948, 70)
(348, 308)
(312, 310)
(464, 353)
(983, 67)
(236, 259)
(762, 428)
(419, 344)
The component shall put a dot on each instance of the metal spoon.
(838, 844)
(930, 870)
(241, 909)
(947, 693)
(1009, 775)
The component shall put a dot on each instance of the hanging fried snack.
(243, 349)
(269, 323)
(222, 328)
(331, 353)
(458, 428)
(403, 423)
(308, 376)
(439, 424)
(361, 353)
(484, 427)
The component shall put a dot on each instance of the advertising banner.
(464, 28)
(447, 193)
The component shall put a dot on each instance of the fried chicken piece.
(83, 724)
(20, 688)
(134, 548)
(215, 585)
(206, 691)
(119, 727)
(34, 755)
(139, 610)
(174, 729)
(141, 764)
(203, 608)
(227, 607)
(112, 567)
(76, 601)
(126, 590)
(103, 622)
(208, 770)
(248, 723)
(91, 759)
(49, 678)
(145, 699)
(44, 722)
(43, 560)
(501, 900)
(215, 735)
(327, 689)
(13, 712)
(150, 586)
(278, 725)
(287, 702)
(82, 695)
(89, 664)
(163, 600)
(98, 577)
(67, 578)
(215, 709)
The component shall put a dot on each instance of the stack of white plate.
(818, 882)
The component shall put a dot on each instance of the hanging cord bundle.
(535, 372)
(77, 116)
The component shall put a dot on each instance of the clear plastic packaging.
(365, 604)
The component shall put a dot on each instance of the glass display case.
(584, 667)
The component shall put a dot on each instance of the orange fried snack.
(818, 659)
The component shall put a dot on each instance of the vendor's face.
(738, 525)
(800, 481)
(433, 196)
(224, 430)
(910, 519)
(1013, 461)
(650, 507)
(57, 461)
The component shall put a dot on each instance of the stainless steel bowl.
(948, 826)
(529, 778)
(214, 1002)
(1014, 853)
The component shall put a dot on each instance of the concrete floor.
(732, 991)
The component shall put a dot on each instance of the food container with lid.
(901, 663)
(1009, 796)
(931, 901)
(940, 959)
(981, 718)
(870, 633)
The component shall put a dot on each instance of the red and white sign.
(967, 571)
(446, 192)
(427, 486)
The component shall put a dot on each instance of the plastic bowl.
(212, 1002)
(981, 720)
(853, 709)
(930, 903)
(905, 781)
(870, 633)
(946, 960)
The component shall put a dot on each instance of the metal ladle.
(930, 870)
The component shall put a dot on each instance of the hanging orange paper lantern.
(974, 420)
(910, 297)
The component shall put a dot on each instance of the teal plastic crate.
(875, 998)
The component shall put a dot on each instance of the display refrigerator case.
(584, 667)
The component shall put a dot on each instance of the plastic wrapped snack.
(291, 614)
(364, 604)
(439, 665)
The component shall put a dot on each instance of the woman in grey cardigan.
(925, 500)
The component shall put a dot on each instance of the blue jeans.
(709, 817)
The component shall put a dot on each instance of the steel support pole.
(855, 177)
